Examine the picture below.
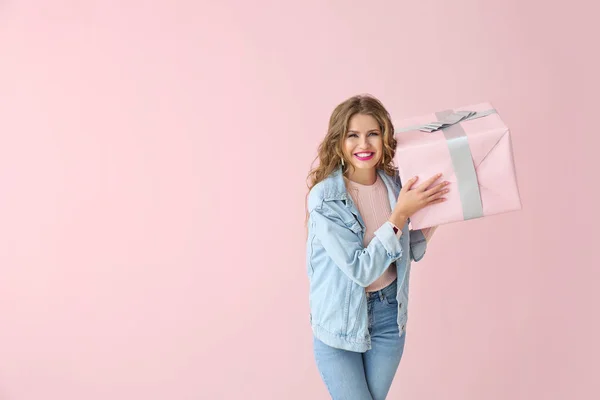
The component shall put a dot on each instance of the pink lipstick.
(367, 158)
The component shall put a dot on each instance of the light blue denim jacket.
(339, 266)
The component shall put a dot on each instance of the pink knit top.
(374, 207)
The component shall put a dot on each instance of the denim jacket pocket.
(390, 301)
(354, 226)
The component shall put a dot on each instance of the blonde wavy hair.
(330, 153)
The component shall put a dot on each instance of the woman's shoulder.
(316, 196)
(331, 187)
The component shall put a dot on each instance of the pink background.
(152, 166)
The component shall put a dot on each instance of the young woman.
(359, 250)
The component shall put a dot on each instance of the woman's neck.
(363, 176)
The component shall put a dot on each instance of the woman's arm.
(364, 265)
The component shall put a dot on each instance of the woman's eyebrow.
(372, 130)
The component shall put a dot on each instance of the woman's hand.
(411, 200)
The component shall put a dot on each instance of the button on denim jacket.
(340, 267)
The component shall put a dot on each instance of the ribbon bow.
(451, 119)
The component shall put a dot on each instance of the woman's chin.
(364, 164)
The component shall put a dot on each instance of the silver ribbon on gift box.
(462, 160)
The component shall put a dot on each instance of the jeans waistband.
(388, 291)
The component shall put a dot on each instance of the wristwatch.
(397, 231)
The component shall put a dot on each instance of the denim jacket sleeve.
(364, 265)
(418, 245)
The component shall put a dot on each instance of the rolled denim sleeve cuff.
(390, 242)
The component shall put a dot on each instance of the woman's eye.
(355, 135)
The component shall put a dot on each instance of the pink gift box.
(474, 154)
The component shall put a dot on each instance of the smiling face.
(363, 144)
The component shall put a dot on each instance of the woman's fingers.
(423, 187)
(437, 188)
(438, 194)
(408, 185)
(440, 200)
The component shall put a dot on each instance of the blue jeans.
(365, 376)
